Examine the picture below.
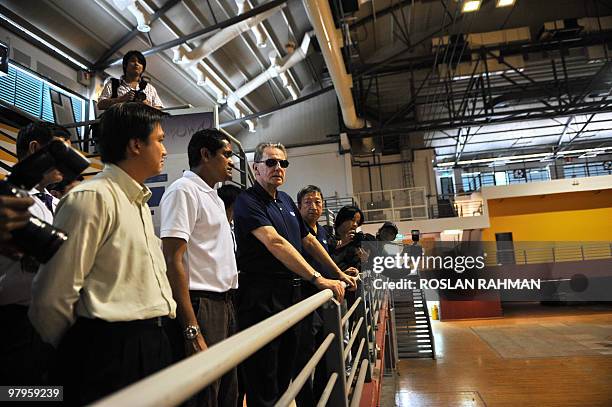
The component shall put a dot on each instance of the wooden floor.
(468, 372)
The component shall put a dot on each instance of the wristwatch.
(191, 332)
(314, 277)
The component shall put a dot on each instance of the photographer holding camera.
(23, 356)
(131, 87)
(348, 251)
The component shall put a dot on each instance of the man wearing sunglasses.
(271, 237)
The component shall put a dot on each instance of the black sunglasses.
(271, 162)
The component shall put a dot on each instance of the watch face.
(191, 332)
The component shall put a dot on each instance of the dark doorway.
(505, 248)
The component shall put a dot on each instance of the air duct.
(277, 69)
(190, 59)
(134, 7)
(260, 36)
(330, 41)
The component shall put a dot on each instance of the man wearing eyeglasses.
(271, 236)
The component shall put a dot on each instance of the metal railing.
(394, 205)
(555, 252)
(246, 172)
(334, 203)
(456, 205)
(179, 382)
(469, 208)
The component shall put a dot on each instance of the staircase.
(8, 153)
(414, 335)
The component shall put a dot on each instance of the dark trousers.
(267, 373)
(24, 357)
(217, 320)
(311, 337)
(97, 358)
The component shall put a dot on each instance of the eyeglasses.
(271, 162)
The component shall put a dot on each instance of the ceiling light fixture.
(470, 6)
(505, 3)
(43, 42)
(518, 158)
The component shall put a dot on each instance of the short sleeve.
(179, 214)
(155, 99)
(303, 229)
(107, 91)
(249, 213)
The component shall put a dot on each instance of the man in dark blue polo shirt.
(310, 204)
(271, 236)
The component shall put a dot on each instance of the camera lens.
(39, 239)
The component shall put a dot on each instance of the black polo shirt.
(255, 208)
(322, 237)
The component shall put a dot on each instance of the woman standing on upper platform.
(131, 87)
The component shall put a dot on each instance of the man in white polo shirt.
(198, 248)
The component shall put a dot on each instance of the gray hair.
(259, 150)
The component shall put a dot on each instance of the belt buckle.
(158, 322)
(296, 282)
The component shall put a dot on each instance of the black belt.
(224, 296)
(155, 321)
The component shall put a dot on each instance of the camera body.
(38, 238)
(139, 96)
(363, 237)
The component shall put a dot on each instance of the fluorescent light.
(42, 41)
(505, 3)
(470, 6)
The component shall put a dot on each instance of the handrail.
(350, 311)
(556, 252)
(19, 111)
(349, 345)
(211, 364)
(327, 391)
(363, 370)
(246, 168)
(295, 387)
(354, 368)
(177, 383)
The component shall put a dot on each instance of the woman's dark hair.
(228, 194)
(42, 132)
(141, 58)
(347, 213)
(123, 122)
(210, 139)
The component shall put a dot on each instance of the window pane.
(28, 95)
(7, 86)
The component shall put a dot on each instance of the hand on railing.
(351, 281)
(336, 286)
(352, 271)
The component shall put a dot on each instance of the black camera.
(38, 238)
(363, 237)
(139, 96)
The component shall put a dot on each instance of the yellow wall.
(584, 216)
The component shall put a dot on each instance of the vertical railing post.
(243, 169)
(334, 357)
(363, 330)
